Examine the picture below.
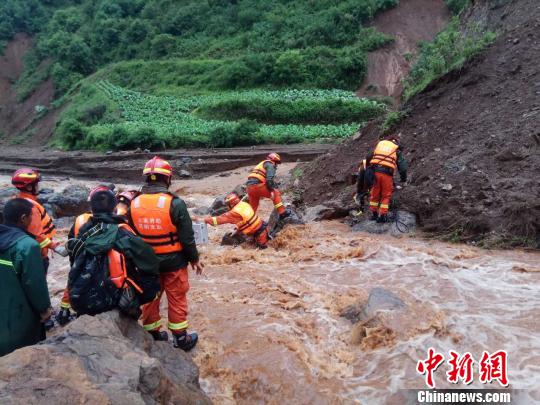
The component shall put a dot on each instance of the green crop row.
(131, 119)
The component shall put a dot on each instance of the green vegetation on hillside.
(162, 73)
(255, 43)
(448, 51)
(105, 116)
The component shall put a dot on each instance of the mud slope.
(472, 140)
(127, 165)
(18, 120)
(410, 22)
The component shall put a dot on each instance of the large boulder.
(275, 224)
(72, 201)
(106, 359)
(401, 222)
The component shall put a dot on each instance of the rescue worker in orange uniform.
(385, 159)
(261, 184)
(27, 180)
(162, 220)
(246, 220)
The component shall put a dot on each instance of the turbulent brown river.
(270, 327)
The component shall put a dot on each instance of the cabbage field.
(225, 119)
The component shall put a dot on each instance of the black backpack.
(99, 283)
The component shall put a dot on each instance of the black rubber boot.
(160, 335)
(185, 341)
(63, 317)
(382, 219)
(374, 216)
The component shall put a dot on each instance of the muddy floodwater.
(270, 326)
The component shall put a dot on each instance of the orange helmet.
(157, 165)
(232, 199)
(127, 196)
(274, 157)
(25, 177)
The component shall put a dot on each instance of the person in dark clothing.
(24, 295)
(384, 160)
(108, 235)
(162, 220)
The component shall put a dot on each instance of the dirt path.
(127, 166)
(410, 22)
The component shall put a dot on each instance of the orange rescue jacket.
(251, 222)
(80, 221)
(259, 172)
(385, 154)
(41, 226)
(151, 216)
(118, 268)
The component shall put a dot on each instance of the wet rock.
(379, 299)
(400, 222)
(107, 358)
(219, 207)
(233, 239)
(184, 174)
(72, 201)
(324, 212)
(275, 224)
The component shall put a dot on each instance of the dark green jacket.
(112, 237)
(23, 290)
(181, 219)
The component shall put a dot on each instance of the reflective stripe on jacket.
(385, 154)
(151, 217)
(41, 227)
(251, 222)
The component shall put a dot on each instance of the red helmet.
(156, 165)
(25, 177)
(274, 157)
(232, 199)
(98, 189)
(127, 196)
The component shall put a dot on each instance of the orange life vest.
(48, 230)
(118, 268)
(151, 216)
(259, 172)
(385, 154)
(251, 222)
(80, 221)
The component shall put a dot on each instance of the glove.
(403, 179)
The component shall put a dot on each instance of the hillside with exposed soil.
(471, 139)
(409, 23)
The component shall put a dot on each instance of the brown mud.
(19, 120)
(472, 142)
(409, 23)
(270, 326)
(127, 166)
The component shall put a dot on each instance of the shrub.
(449, 50)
